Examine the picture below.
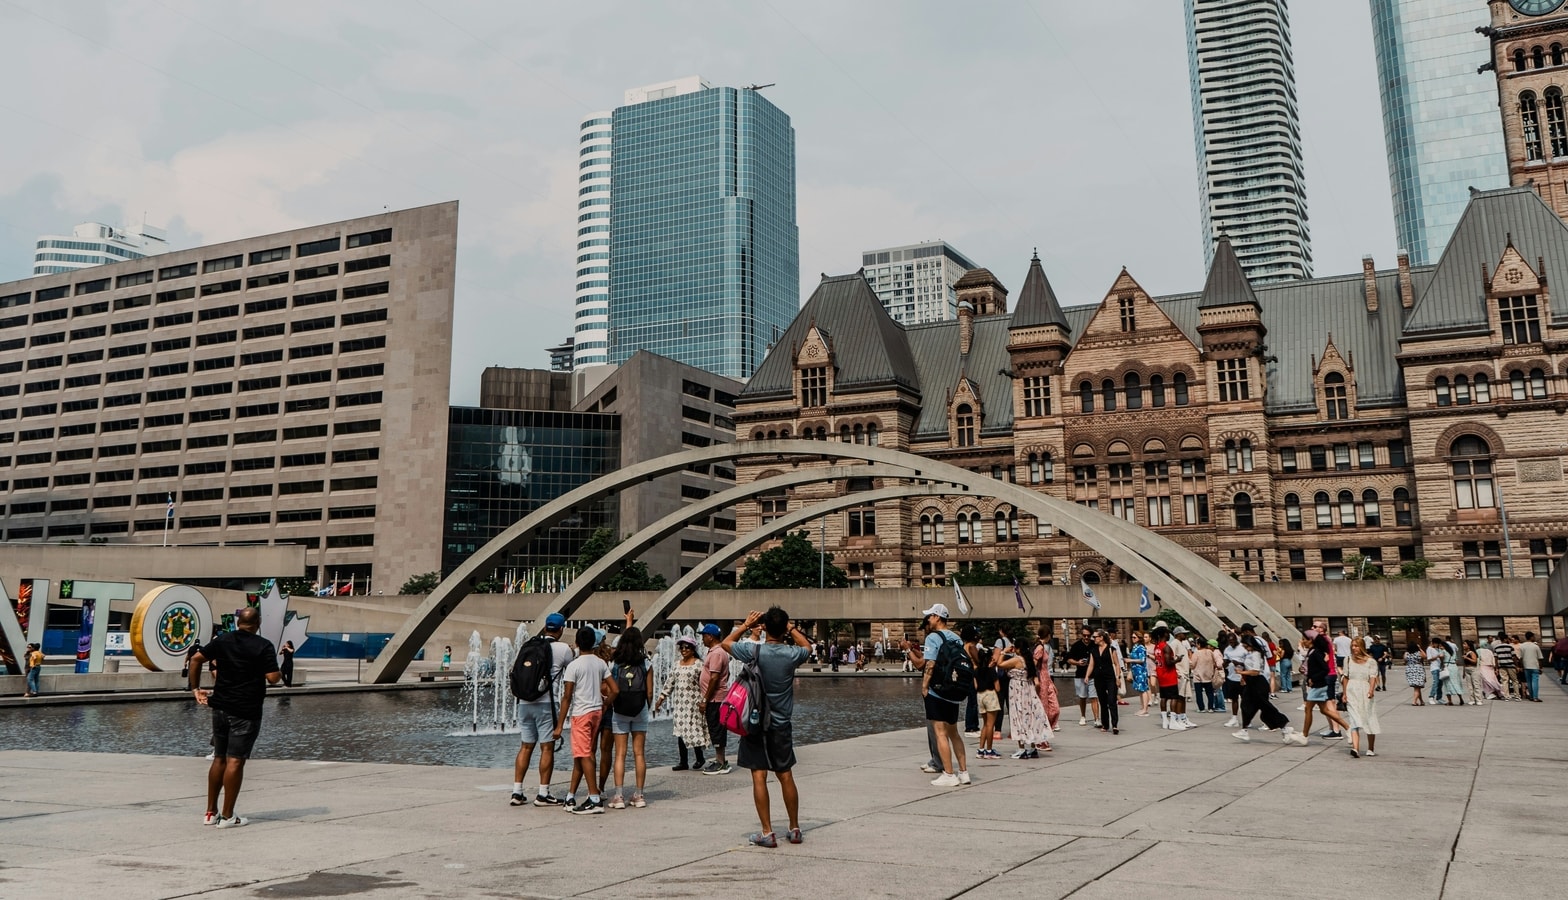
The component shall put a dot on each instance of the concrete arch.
(1151, 558)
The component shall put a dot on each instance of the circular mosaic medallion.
(169, 621)
(177, 629)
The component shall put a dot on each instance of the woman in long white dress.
(1025, 712)
(1357, 684)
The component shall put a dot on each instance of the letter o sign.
(167, 623)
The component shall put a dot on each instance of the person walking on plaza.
(971, 638)
(1560, 659)
(1203, 677)
(1503, 651)
(247, 663)
(1318, 696)
(1487, 660)
(681, 689)
(773, 748)
(1105, 672)
(536, 718)
(286, 665)
(714, 685)
(33, 662)
(1235, 655)
(1528, 652)
(586, 683)
(1044, 663)
(446, 658)
(1137, 660)
(632, 673)
(1031, 728)
(1341, 649)
(1380, 653)
(1358, 685)
(1254, 669)
(942, 710)
(1442, 672)
(1078, 658)
(1415, 672)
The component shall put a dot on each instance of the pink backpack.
(744, 710)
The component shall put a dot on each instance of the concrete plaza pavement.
(1460, 803)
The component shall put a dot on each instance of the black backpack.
(954, 672)
(533, 674)
(632, 696)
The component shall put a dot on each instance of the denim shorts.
(534, 723)
(1317, 695)
(1082, 689)
(620, 724)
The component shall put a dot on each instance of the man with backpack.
(948, 679)
(535, 674)
(767, 744)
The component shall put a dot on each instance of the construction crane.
(758, 87)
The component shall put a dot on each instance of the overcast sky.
(999, 127)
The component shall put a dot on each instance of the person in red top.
(1172, 704)
(1560, 659)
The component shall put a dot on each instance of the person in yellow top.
(34, 661)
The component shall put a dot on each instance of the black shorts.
(1170, 693)
(1232, 690)
(771, 751)
(939, 709)
(716, 732)
(232, 736)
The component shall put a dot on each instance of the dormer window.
(814, 387)
(964, 419)
(1521, 319)
(1335, 404)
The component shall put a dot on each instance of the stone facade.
(1279, 432)
(1530, 58)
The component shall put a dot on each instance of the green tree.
(1170, 617)
(1414, 570)
(290, 587)
(633, 576)
(982, 574)
(421, 584)
(792, 564)
(1359, 568)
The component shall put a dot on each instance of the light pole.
(822, 555)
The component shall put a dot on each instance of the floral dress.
(686, 707)
(1415, 670)
(1025, 712)
(1140, 672)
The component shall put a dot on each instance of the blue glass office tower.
(1440, 118)
(704, 247)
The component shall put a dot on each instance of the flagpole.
(168, 517)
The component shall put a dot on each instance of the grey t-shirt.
(777, 664)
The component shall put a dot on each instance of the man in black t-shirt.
(1078, 657)
(247, 663)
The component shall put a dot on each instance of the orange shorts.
(584, 727)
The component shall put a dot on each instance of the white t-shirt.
(586, 673)
(1236, 659)
(1342, 646)
(1252, 661)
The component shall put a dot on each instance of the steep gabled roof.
(869, 348)
(1227, 283)
(1454, 300)
(935, 347)
(1037, 304)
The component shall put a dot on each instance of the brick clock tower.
(1530, 56)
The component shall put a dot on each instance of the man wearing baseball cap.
(941, 710)
(714, 684)
(536, 719)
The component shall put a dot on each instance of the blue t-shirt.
(934, 643)
(777, 664)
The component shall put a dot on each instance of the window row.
(1131, 392)
(1463, 390)
(1365, 456)
(971, 527)
(1341, 511)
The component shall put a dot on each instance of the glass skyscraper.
(704, 246)
(1440, 118)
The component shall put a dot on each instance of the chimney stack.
(1369, 282)
(966, 326)
(1407, 293)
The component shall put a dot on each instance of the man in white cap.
(943, 697)
(1183, 649)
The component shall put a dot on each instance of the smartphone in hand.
(626, 605)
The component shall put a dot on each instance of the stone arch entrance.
(1186, 582)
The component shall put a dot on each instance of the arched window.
(1230, 457)
(1471, 464)
(927, 537)
(1108, 395)
(1483, 388)
(1179, 385)
(1324, 509)
(1402, 512)
(1371, 512)
(758, 436)
(1090, 577)
(783, 434)
(1557, 54)
(1334, 402)
(1530, 118)
(1537, 384)
(963, 528)
(1516, 388)
(1440, 388)
(773, 435)
(843, 434)
(1556, 130)
(1461, 390)
(1519, 60)
(1085, 397)
(1246, 454)
(1157, 391)
(1243, 509)
(939, 529)
(860, 434)
(1292, 512)
(822, 434)
(1006, 525)
(1132, 385)
(1048, 467)
(1347, 509)
(1538, 57)
(872, 436)
(965, 419)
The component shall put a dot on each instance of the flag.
(958, 596)
(1018, 595)
(1088, 595)
(345, 589)
(170, 513)
(1143, 600)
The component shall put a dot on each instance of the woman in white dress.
(1025, 712)
(1357, 684)
(686, 704)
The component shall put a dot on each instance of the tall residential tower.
(1250, 180)
(915, 282)
(591, 334)
(1439, 117)
(704, 246)
(95, 244)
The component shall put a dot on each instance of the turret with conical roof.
(1230, 320)
(1037, 304)
(1038, 338)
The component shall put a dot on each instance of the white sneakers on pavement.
(946, 779)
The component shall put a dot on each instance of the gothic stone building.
(1274, 430)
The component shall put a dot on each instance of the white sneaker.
(235, 821)
(1186, 723)
(1299, 739)
(1082, 720)
(929, 769)
(1242, 736)
(1020, 754)
(1232, 722)
(1371, 752)
(1287, 731)
(946, 779)
(963, 778)
(1301, 707)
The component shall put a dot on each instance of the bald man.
(247, 663)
